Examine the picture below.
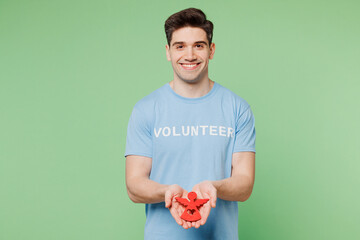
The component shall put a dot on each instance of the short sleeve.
(245, 132)
(139, 135)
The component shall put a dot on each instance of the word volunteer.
(194, 131)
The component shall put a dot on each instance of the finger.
(179, 209)
(213, 203)
(206, 212)
(168, 199)
(213, 198)
(176, 216)
(189, 224)
(185, 225)
(197, 224)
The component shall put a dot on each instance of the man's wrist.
(161, 192)
(216, 184)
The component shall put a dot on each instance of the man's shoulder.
(149, 101)
(233, 97)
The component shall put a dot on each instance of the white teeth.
(187, 65)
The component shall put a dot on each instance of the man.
(192, 134)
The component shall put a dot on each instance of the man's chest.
(203, 127)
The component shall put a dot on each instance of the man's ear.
(168, 52)
(212, 50)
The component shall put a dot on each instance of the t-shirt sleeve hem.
(139, 154)
(244, 150)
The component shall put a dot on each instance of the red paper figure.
(191, 213)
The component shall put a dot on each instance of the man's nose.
(190, 55)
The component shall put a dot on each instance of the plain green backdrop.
(71, 71)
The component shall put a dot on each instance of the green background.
(71, 71)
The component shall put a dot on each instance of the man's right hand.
(175, 208)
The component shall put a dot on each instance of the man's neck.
(191, 90)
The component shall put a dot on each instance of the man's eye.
(199, 45)
(179, 47)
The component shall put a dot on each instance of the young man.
(192, 134)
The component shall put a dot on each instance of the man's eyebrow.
(197, 42)
(177, 43)
(202, 42)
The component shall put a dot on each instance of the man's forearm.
(144, 190)
(235, 188)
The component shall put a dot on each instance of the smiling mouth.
(189, 66)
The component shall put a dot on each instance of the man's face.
(189, 53)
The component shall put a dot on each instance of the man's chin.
(190, 81)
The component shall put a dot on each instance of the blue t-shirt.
(191, 140)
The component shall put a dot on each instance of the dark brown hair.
(190, 17)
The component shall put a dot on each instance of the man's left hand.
(205, 190)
